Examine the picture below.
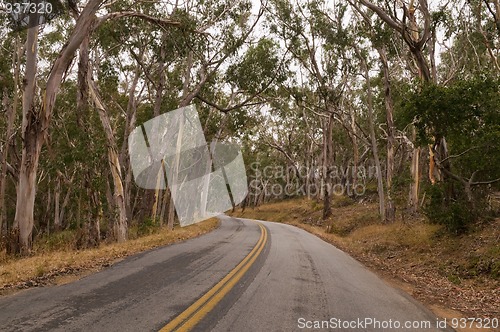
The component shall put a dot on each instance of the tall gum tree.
(317, 41)
(37, 114)
(36, 119)
(372, 133)
(407, 27)
(379, 39)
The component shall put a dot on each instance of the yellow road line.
(195, 313)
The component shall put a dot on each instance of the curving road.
(240, 277)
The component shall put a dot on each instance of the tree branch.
(484, 182)
(383, 15)
(156, 20)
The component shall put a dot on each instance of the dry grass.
(445, 272)
(44, 266)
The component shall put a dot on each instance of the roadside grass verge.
(57, 262)
(460, 273)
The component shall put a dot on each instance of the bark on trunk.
(415, 175)
(355, 147)
(327, 153)
(164, 206)
(373, 141)
(32, 144)
(121, 225)
(186, 100)
(390, 209)
(158, 193)
(174, 175)
(57, 199)
(424, 75)
(82, 96)
(156, 112)
(129, 127)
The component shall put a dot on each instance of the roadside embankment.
(60, 263)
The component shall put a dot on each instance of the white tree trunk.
(389, 110)
(57, 199)
(32, 145)
(373, 141)
(121, 225)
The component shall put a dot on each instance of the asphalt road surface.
(240, 277)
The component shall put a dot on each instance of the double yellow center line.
(195, 313)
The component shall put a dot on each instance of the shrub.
(57, 241)
(455, 214)
(342, 201)
(147, 227)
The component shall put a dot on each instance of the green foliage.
(482, 263)
(335, 34)
(108, 76)
(259, 65)
(464, 108)
(456, 215)
(400, 185)
(57, 241)
(147, 227)
(467, 114)
(6, 77)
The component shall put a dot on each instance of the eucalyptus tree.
(317, 38)
(466, 112)
(37, 113)
(417, 26)
(378, 37)
(473, 41)
(36, 119)
(486, 22)
(10, 72)
(371, 127)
